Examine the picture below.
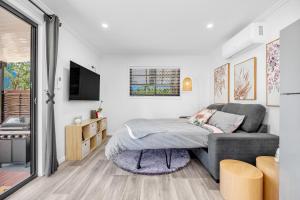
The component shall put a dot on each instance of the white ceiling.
(14, 38)
(157, 26)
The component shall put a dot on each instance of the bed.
(250, 138)
(157, 134)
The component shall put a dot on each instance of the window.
(154, 82)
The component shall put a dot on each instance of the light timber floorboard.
(96, 178)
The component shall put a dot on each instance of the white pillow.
(227, 122)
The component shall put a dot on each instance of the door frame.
(33, 97)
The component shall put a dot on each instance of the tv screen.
(84, 83)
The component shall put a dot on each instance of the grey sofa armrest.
(240, 146)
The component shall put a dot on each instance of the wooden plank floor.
(96, 178)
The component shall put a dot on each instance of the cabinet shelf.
(82, 139)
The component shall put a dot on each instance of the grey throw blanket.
(139, 128)
(157, 134)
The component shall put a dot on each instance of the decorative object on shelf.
(245, 80)
(93, 114)
(273, 73)
(98, 114)
(222, 84)
(78, 119)
(187, 84)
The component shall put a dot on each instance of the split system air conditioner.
(250, 37)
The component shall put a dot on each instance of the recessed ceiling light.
(209, 25)
(104, 26)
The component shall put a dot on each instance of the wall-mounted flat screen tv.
(84, 83)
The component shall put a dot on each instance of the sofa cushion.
(202, 116)
(227, 122)
(254, 114)
(217, 107)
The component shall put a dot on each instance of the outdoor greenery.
(17, 76)
(152, 90)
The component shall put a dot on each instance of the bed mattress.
(177, 133)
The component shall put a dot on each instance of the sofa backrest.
(254, 114)
(217, 107)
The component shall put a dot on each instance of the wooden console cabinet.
(82, 139)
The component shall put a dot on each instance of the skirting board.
(61, 160)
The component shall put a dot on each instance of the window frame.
(155, 84)
(33, 97)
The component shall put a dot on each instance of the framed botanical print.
(221, 84)
(273, 73)
(245, 80)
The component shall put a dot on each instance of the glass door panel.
(17, 63)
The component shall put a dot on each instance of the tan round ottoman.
(270, 169)
(240, 181)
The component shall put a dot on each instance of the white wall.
(71, 48)
(120, 107)
(275, 21)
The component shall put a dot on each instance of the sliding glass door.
(17, 99)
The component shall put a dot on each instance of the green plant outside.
(18, 75)
(150, 91)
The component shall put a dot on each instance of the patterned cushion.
(202, 116)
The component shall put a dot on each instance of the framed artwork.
(221, 84)
(273, 73)
(245, 80)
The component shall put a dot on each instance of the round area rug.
(153, 162)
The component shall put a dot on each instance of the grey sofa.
(248, 142)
